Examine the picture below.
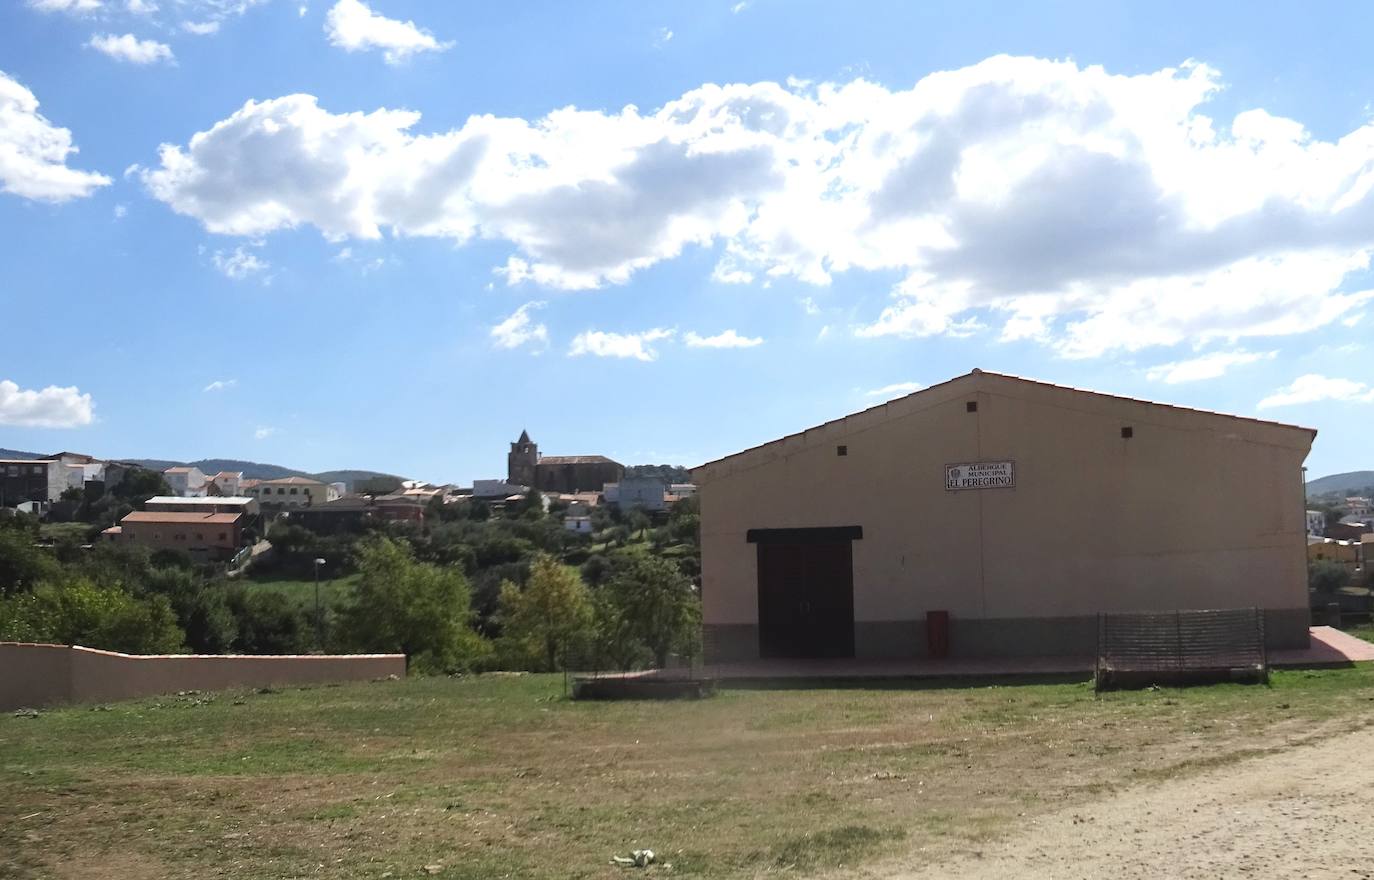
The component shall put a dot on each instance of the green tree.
(22, 564)
(79, 612)
(617, 637)
(267, 623)
(659, 603)
(1326, 577)
(140, 484)
(548, 625)
(418, 609)
(638, 522)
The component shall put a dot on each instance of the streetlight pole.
(319, 619)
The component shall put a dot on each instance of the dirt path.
(1306, 812)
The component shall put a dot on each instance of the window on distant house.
(37, 470)
(223, 536)
(199, 536)
(293, 490)
(281, 491)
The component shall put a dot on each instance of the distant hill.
(669, 473)
(1354, 482)
(252, 470)
(15, 453)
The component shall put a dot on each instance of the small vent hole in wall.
(971, 406)
(1127, 433)
(841, 450)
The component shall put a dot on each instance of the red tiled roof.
(161, 516)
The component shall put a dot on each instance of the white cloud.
(127, 47)
(200, 17)
(354, 27)
(809, 305)
(728, 339)
(53, 407)
(1314, 387)
(263, 432)
(1208, 366)
(33, 151)
(663, 38)
(121, 211)
(1033, 199)
(739, 7)
(898, 389)
(239, 263)
(72, 6)
(221, 385)
(619, 345)
(520, 329)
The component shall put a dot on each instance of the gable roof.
(575, 459)
(976, 375)
(290, 481)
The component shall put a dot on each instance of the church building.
(558, 473)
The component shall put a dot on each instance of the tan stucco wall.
(41, 675)
(1195, 511)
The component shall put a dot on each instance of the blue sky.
(666, 231)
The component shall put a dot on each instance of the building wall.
(291, 495)
(31, 481)
(44, 675)
(188, 484)
(645, 493)
(214, 540)
(589, 476)
(1095, 523)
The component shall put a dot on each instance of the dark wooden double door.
(806, 598)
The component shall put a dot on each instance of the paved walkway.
(1329, 647)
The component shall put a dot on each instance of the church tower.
(522, 460)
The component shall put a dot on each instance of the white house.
(578, 518)
(1316, 523)
(229, 483)
(188, 482)
(644, 493)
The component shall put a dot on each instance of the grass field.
(500, 776)
(333, 591)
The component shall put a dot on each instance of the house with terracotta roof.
(992, 515)
(289, 492)
(212, 537)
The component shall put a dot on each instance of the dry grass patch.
(500, 776)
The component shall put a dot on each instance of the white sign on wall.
(980, 475)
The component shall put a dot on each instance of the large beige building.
(1020, 509)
